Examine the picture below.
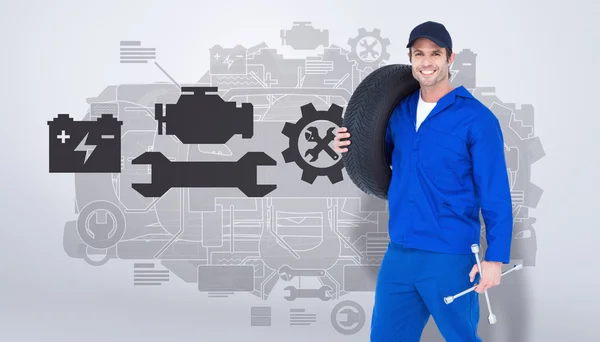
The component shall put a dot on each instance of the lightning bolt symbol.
(453, 75)
(228, 62)
(83, 146)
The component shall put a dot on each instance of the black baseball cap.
(436, 32)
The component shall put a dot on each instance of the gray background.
(56, 54)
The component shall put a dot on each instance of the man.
(447, 155)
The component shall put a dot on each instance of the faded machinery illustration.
(232, 183)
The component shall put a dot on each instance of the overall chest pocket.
(443, 157)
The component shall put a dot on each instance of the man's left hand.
(490, 277)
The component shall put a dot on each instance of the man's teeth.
(427, 72)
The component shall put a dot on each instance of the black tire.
(366, 119)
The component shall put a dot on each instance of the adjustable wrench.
(287, 273)
(239, 174)
(322, 293)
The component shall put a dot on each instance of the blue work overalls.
(442, 175)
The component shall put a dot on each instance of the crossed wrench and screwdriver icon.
(322, 143)
(369, 49)
(491, 318)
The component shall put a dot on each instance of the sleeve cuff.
(493, 255)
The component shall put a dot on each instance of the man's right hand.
(342, 133)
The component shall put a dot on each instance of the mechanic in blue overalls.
(447, 155)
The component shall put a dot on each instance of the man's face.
(429, 62)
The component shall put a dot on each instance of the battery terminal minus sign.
(107, 136)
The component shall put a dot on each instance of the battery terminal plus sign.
(63, 136)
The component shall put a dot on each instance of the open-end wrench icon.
(239, 174)
(287, 273)
(322, 293)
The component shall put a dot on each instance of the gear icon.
(310, 115)
(368, 49)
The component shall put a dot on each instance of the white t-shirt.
(423, 109)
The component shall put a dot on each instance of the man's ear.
(451, 59)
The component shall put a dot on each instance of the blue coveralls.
(442, 175)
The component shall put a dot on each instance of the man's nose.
(427, 61)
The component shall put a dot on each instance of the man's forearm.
(498, 232)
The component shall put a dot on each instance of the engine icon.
(201, 116)
(303, 36)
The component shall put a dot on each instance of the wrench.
(321, 293)
(368, 49)
(450, 299)
(287, 273)
(239, 174)
(322, 144)
(491, 317)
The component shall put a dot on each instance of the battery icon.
(85, 146)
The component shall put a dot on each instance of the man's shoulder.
(404, 105)
(479, 112)
(479, 120)
(408, 99)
